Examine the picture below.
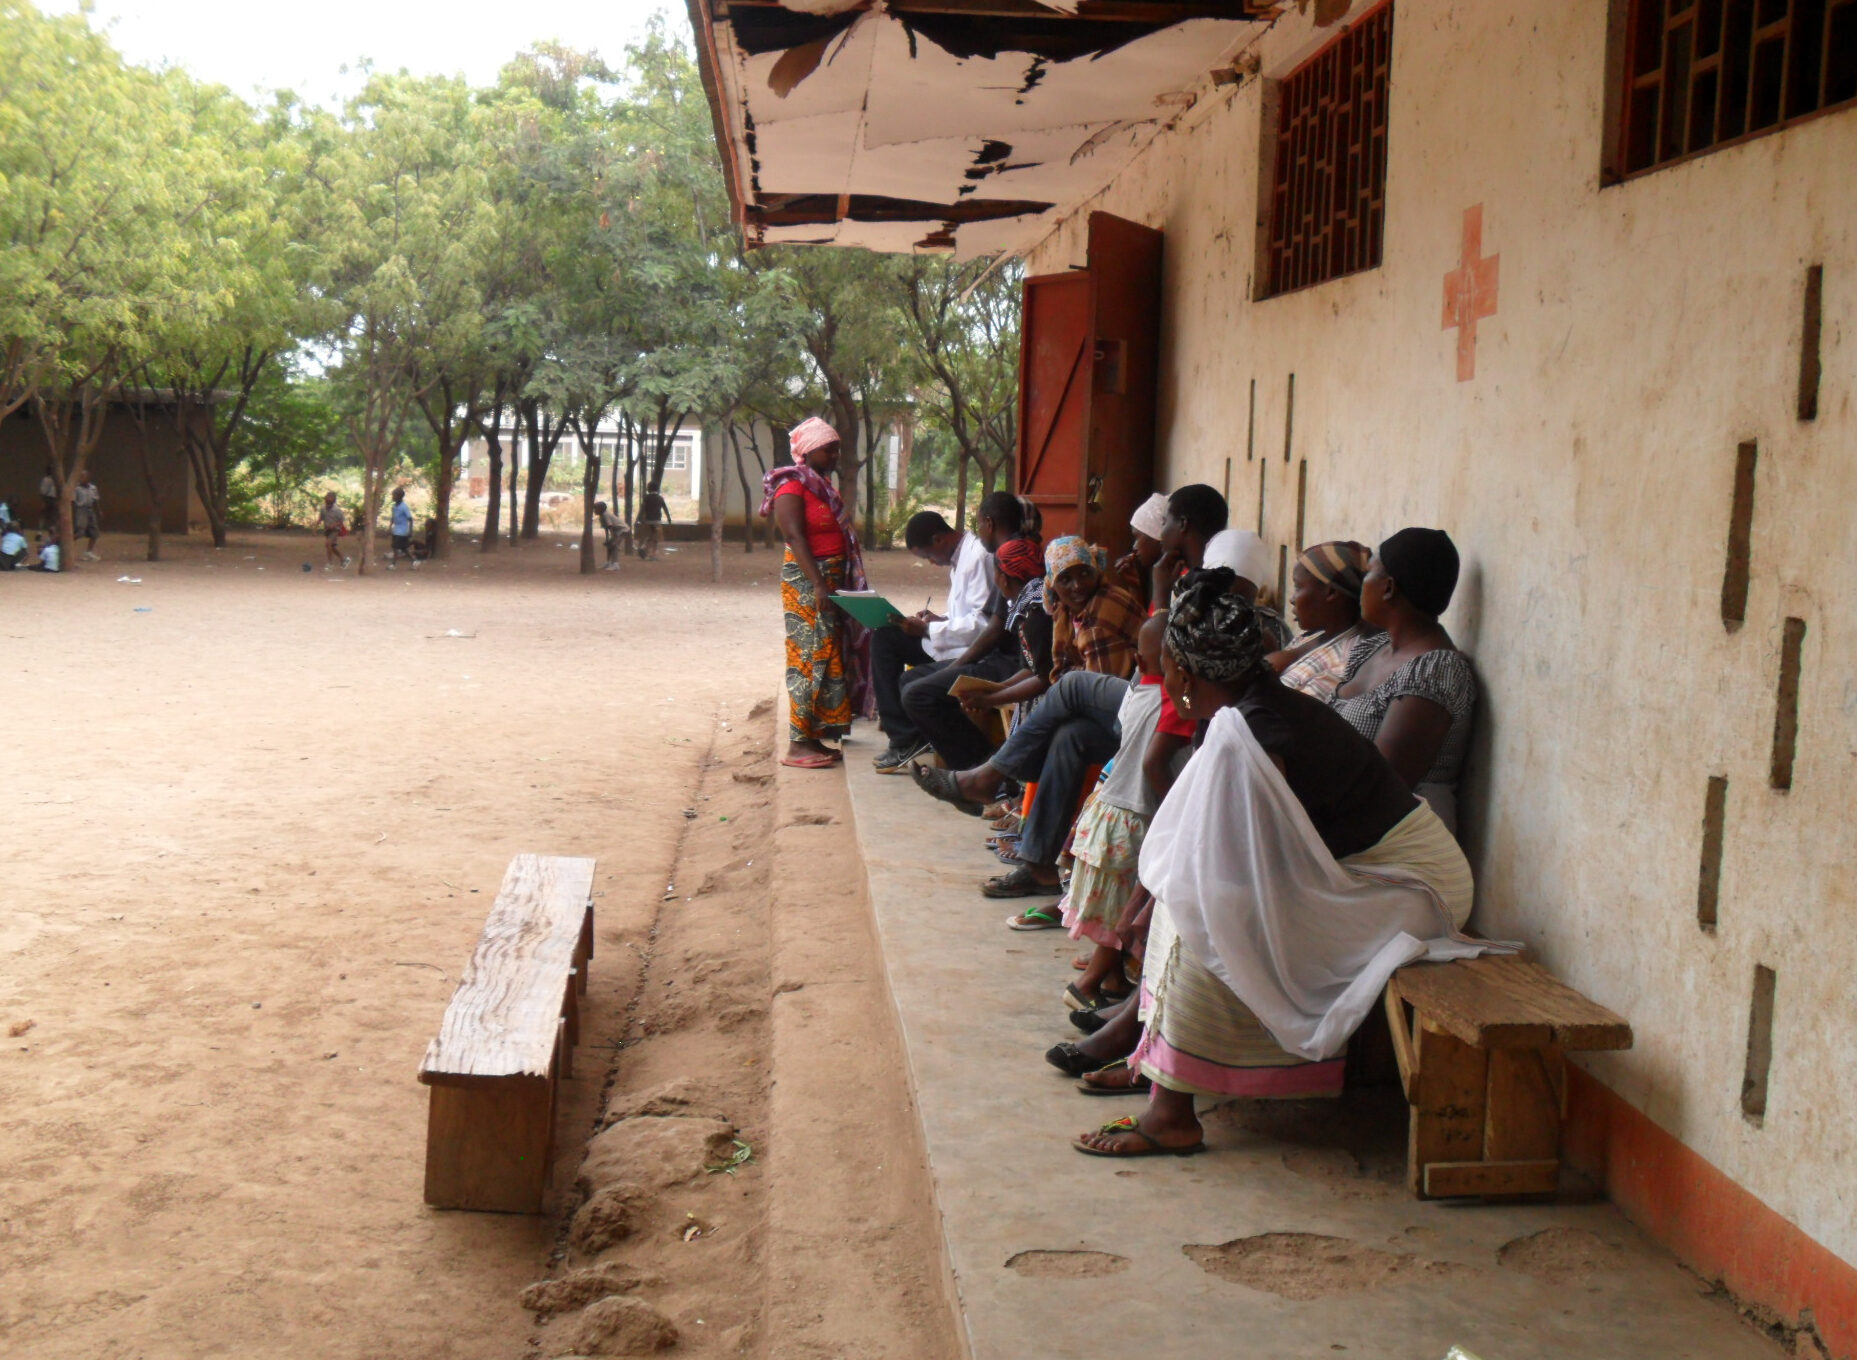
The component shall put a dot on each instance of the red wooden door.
(1088, 367)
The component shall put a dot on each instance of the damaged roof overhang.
(962, 125)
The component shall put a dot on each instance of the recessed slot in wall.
(1714, 813)
(1302, 505)
(1250, 438)
(1786, 712)
(1289, 418)
(1283, 575)
(1740, 538)
(1809, 365)
(1759, 1045)
(1261, 468)
(1228, 481)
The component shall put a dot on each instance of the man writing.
(925, 639)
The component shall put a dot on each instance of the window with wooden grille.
(1328, 160)
(1693, 75)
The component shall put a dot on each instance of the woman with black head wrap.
(1407, 688)
(1269, 938)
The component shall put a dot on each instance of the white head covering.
(1150, 515)
(1242, 551)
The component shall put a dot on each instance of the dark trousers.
(938, 715)
(1076, 725)
(891, 652)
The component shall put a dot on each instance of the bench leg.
(1448, 1098)
(488, 1145)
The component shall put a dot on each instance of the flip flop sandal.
(1127, 1124)
(1008, 823)
(1007, 839)
(1036, 918)
(1140, 1086)
(1019, 883)
(809, 762)
(994, 811)
(942, 785)
(1073, 1061)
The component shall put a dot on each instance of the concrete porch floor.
(1055, 1254)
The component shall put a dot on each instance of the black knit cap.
(1424, 564)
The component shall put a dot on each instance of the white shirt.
(970, 585)
(84, 497)
(49, 555)
(12, 543)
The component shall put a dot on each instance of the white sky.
(267, 45)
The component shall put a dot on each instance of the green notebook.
(867, 607)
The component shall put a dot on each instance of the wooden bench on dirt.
(507, 1039)
(1481, 1045)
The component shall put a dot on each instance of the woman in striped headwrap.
(1325, 599)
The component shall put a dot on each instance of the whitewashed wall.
(1643, 331)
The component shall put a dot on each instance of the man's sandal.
(1021, 882)
(1114, 1080)
(1148, 1147)
(943, 785)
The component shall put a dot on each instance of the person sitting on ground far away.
(925, 638)
(1407, 688)
(334, 526)
(84, 515)
(613, 528)
(426, 545)
(993, 655)
(653, 512)
(1325, 598)
(401, 527)
(1286, 826)
(12, 546)
(50, 555)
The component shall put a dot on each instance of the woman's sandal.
(1020, 883)
(1088, 1021)
(1114, 1080)
(1036, 918)
(943, 785)
(1073, 1061)
(810, 761)
(1149, 1146)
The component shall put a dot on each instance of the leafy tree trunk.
(714, 480)
(905, 449)
(449, 425)
(140, 413)
(493, 442)
(208, 423)
(545, 432)
(960, 487)
(586, 426)
(749, 504)
(72, 425)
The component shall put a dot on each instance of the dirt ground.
(255, 821)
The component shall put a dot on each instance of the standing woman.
(828, 654)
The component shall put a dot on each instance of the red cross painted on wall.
(1470, 293)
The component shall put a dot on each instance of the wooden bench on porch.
(1481, 1045)
(507, 1039)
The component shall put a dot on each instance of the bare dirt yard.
(254, 821)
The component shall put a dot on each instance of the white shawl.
(1306, 942)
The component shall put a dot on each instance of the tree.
(404, 245)
(965, 335)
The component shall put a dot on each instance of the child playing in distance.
(51, 556)
(12, 546)
(334, 526)
(614, 529)
(402, 516)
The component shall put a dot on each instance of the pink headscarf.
(811, 433)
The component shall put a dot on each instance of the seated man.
(925, 639)
(993, 655)
(12, 548)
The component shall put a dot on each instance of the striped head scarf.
(1339, 565)
(1019, 559)
(1213, 634)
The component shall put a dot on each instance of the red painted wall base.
(1712, 1224)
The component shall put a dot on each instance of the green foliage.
(292, 443)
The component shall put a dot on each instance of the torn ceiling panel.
(963, 125)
